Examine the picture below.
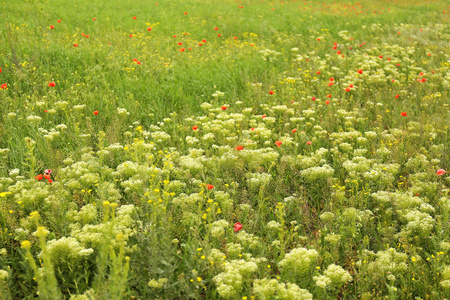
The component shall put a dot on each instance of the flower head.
(440, 172)
(52, 84)
(95, 112)
(237, 227)
(404, 114)
(209, 186)
(278, 143)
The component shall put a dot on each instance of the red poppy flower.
(318, 72)
(174, 36)
(327, 102)
(330, 83)
(347, 89)
(131, 35)
(52, 27)
(149, 29)
(50, 181)
(75, 45)
(240, 147)
(219, 35)
(134, 18)
(87, 36)
(381, 56)
(180, 43)
(0, 70)
(45, 111)
(47, 177)
(235, 37)
(329, 96)
(237, 227)
(182, 50)
(59, 21)
(440, 172)
(185, 13)
(264, 116)
(95, 112)
(39, 177)
(339, 52)
(271, 92)
(52, 84)
(294, 130)
(334, 47)
(224, 107)
(4, 86)
(278, 143)
(200, 44)
(47, 171)
(396, 96)
(404, 113)
(94, 19)
(216, 28)
(209, 186)
(195, 127)
(313, 98)
(204, 41)
(308, 142)
(360, 71)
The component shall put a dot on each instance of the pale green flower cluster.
(67, 250)
(298, 262)
(230, 282)
(218, 228)
(333, 277)
(266, 289)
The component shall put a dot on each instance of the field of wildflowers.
(224, 149)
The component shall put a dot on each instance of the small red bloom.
(381, 56)
(75, 45)
(318, 72)
(200, 44)
(237, 227)
(182, 50)
(224, 107)
(327, 102)
(264, 116)
(219, 35)
(216, 28)
(209, 186)
(313, 98)
(278, 143)
(39, 177)
(360, 71)
(339, 52)
(440, 172)
(185, 13)
(134, 18)
(294, 130)
(52, 27)
(404, 114)
(308, 142)
(0, 70)
(329, 96)
(47, 171)
(47, 177)
(271, 92)
(180, 43)
(131, 35)
(45, 111)
(59, 21)
(87, 36)
(195, 127)
(204, 41)
(49, 180)
(174, 36)
(52, 84)
(235, 37)
(95, 112)
(149, 29)
(94, 19)
(397, 96)
(240, 147)
(347, 89)
(4, 86)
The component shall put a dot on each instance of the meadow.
(206, 149)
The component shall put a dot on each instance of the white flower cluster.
(333, 277)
